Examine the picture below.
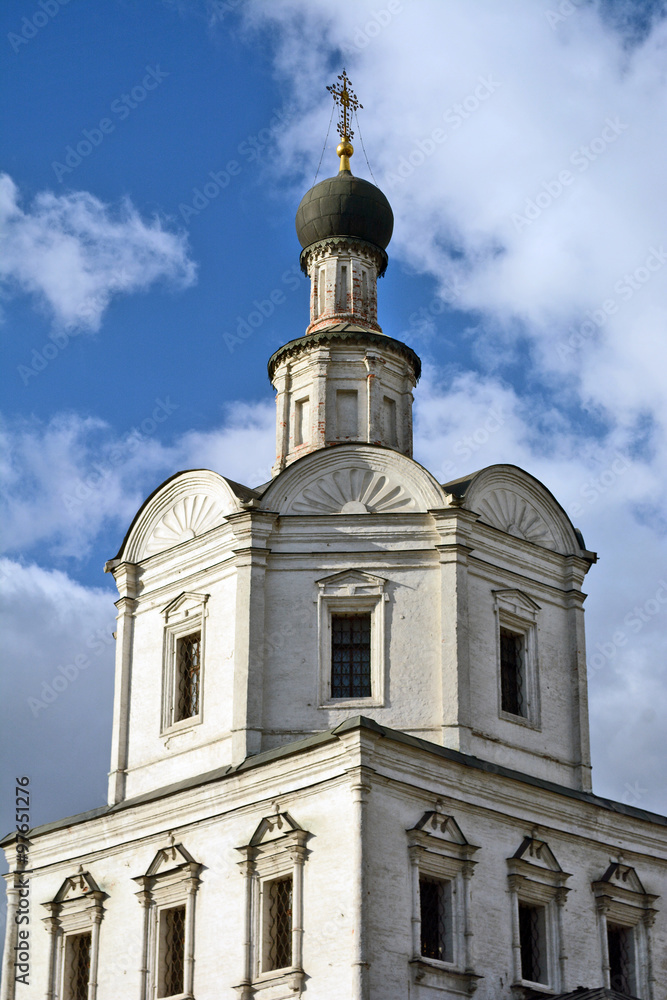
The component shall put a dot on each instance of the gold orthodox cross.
(346, 98)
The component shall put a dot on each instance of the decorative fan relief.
(353, 491)
(511, 513)
(189, 517)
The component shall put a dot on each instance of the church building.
(350, 753)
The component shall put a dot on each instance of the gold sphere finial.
(345, 150)
(345, 97)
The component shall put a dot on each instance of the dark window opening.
(512, 648)
(532, 937)
(77, 966)
(619, 941)
(351, 656)
(280, 924)
(188, 676)
(435, 908)
(172, 947)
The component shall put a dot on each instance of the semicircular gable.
(183, 507)
(510, 499)
(353, 479)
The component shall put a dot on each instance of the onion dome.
(344, 205)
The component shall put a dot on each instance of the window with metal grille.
(512, 697)
(171, 963)
(532, 937)
(188, 675)
(435, 907)
(279, 924)
(351, 656)
(620, 943)
(77, 966)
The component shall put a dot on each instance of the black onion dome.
(344, 205)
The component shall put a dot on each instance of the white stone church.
(350, 750)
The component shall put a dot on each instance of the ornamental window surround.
(625, 915)
(537, 896)
(167, 894)
(442, 866)
(351, 635)
(517, 660)
(183, 661)
(74, 926)
(272, 868)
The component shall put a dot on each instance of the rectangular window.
(620, 941)
(278, 923)
(301, 420)
(364, 290)
(171, 954)
(321, 291)
(347, 413)
(188, 673)
(435, 905)
(533, 941)
(351, 656)
(389, 421)
(342, 289)
(512, 672)
(77, 967)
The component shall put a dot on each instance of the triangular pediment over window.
(351, 582)
(273, 827)
(81, 884)
(538, 853)
(437, 824)
(174, 856)
(185, 602)
(517, 602)
(624, 877)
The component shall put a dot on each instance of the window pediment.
(351, 583)
(515, 602)
(78, 886)
(535, 862)
(275, 827)
(183, 605)
(621, 888)
(170, 859)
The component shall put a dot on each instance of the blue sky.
(154, 155)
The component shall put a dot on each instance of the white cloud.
(71, 478)
(73, 253)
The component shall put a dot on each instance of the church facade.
(350, 751)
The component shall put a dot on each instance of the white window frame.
(536, 879)
(171, 880)
(352, 592)
(438, 849)
(621, 899)
(76, 909)
(276, 850)
(184, 615)
(518, 613)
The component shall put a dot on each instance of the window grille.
(351, 656)
(280, 923)
(77, 966)
(436, 919)
(619, 940)
(173, 952)
(511, 672)
(532, 940)
(188, 674)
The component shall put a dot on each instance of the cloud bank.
(73, 253)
